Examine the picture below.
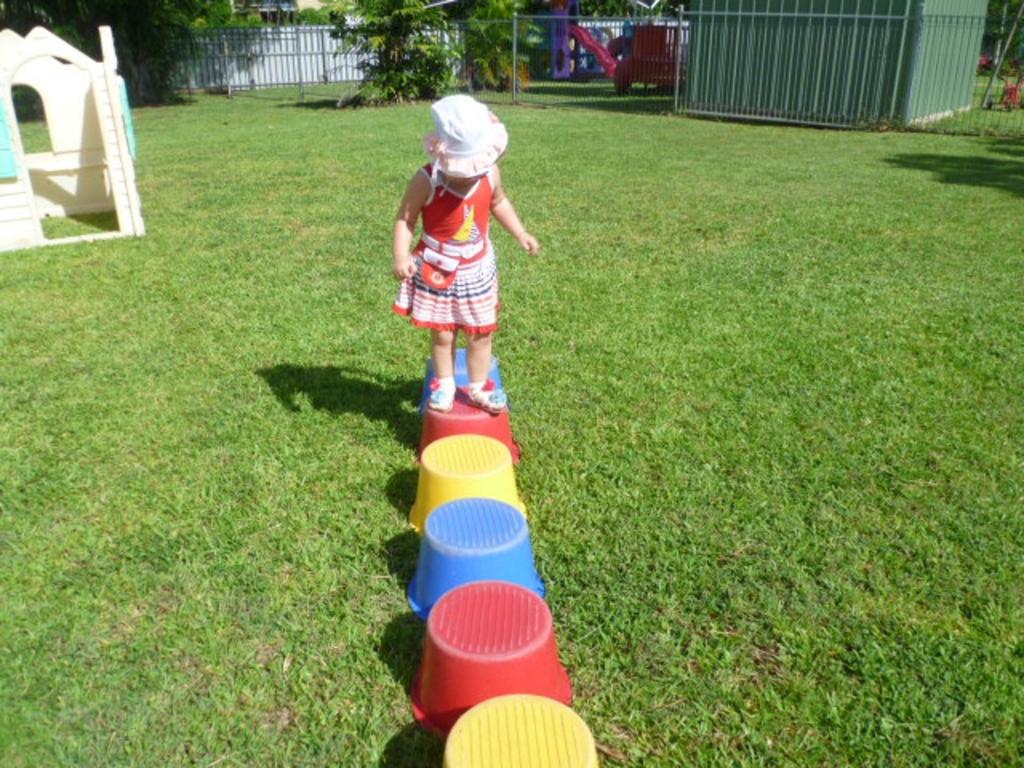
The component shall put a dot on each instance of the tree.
(1004, 40)
(149, 34)
(214, 13)
(408, 48)
(489, 45)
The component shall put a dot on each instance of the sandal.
(440, 400)
(490, 398)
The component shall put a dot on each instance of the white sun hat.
(468, 138)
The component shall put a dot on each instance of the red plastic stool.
(467, 419)
(486, 639)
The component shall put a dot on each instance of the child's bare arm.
(506, 215)
(416, 195)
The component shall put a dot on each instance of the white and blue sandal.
(441, 401)
(491, 400)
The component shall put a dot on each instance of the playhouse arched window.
(31, 114)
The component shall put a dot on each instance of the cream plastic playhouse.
(91, 167)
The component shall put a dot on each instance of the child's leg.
(478, 361)
(478, 356)
(442, 354)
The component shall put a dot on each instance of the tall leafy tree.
(149, 34)
(488, 36)
(998, 37)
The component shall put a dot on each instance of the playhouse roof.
(15, 50)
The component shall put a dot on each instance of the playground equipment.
(566, 61)
(91, 166)
(486, 639)
(645, 54)
(490, 665)
(460, 467)
(587, 41)
(467, 419)
(472, 540)
(651, 59)
(561, 51)
(520, 730)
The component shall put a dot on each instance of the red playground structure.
(645, 54)
(651, 59)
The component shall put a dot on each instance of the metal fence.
(855, 67)
(612, 63)
(814, 68)
(988, 85)
(250, 59)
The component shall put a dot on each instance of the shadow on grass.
(56, 227)
(1004, 173)
(321, 96)
(402, 553)
(401, 490)
(317, 103)
(400, 647)
(640, 101)
(1010, 147)
(412, 747)
(336, 390)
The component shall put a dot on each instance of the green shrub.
(489, 32)
(409, 57)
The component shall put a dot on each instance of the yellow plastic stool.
(517, 731)
(462, 467)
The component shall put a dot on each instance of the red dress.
(455, 286)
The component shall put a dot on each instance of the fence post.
(915, 64)
(298, 48)
(224, 68)
(515, 58)
(191, 60)
(323, 57)
(679, 58)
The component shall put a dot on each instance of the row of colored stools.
(489, 677)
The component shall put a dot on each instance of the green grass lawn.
(768, 386)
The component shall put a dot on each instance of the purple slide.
(584, 38)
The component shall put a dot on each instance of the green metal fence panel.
(973, 8)
(947, 40)
(824, 62)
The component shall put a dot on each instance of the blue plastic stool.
(471, 540)
(461, 375)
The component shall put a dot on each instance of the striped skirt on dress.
(469, 304)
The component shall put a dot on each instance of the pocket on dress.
(436, 278)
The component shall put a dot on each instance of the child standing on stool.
(450, 279)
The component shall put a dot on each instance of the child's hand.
(528, 243)
(403, 268)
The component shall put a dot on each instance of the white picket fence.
(245, 58)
